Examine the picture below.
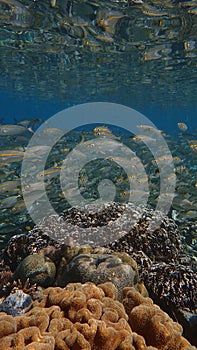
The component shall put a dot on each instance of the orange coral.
(27, 339)
(7, 325)
(86, 316)
(148, 320)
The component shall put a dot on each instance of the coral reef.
(148, 320)
(171, 285)
(78, 264)
(160, 243)
(173, 282)
(170, 276)
(86, 316)
(100, 265)
(95, 224)
(38, 269)
(20, 246)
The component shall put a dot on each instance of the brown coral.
(28, 339)
(86, 316)
(101, 265)
(148, 320)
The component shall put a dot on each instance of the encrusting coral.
(86, 316)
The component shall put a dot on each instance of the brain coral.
(86, 316)
(100, 265)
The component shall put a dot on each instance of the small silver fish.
(10, 130)
(10, 156)
(8, 202)
(10, 187)
(28, 122)
(182, 126)
(104, 131)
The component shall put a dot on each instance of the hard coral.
(148, 320)
(160, 243)
(38, 269)
(99, 267)
(86, 316)
(6, 281)
(28, 339)
(20, 246)
(175, 283)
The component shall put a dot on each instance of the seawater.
(149, 66)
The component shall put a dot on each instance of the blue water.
(16, 107)
(149, 65)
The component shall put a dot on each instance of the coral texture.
(168, 273)
(38, 269)
(148, 320)
(86, 316)
(100, 265)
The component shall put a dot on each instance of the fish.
(49, 173)
(149, 10)
(107, 19)
(182, 126)
(193, 146)
(37, 151)
(167, 159)
(190, 214)
(27, 123)
(10, 156)
(33, 187)
(19, 207)
(8, 202)
(104, 131)
(149, 128)
(144, 138)
(10, 187)
(10, 130)
(53, 131)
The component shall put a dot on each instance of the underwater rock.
(188, 320)
(38, 269)
(16, 303)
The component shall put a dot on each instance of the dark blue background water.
(17, 106)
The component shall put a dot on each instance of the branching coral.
(86, 316)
